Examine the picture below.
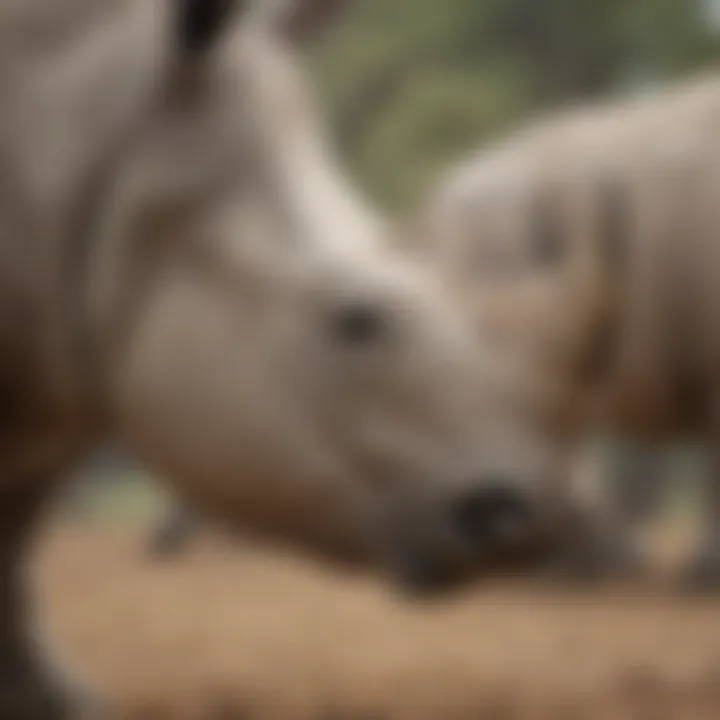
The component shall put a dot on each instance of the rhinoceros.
(586, 245)
(184, 268)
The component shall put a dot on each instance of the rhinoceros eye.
(357, 323)
(202, 21)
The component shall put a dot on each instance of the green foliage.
(413, 84)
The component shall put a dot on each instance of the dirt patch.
(229, 633)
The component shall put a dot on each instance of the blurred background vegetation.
(412, 85)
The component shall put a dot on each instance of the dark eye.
(358, 323)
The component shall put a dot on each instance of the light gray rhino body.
(587, 247)
(184, 268)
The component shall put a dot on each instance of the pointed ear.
(303, 20)
(201, 22)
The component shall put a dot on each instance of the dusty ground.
(228, 633)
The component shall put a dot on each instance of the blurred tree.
(414, 84)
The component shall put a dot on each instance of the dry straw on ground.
(235, 633)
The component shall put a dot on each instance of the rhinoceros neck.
(68, 101)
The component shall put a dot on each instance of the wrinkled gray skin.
(184, 269)
(586, 248)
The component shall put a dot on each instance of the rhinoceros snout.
(489, 528)
(494, 520)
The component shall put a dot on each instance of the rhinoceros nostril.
(493, 517)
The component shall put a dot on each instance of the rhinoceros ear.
(303, 20)
(202, 21)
